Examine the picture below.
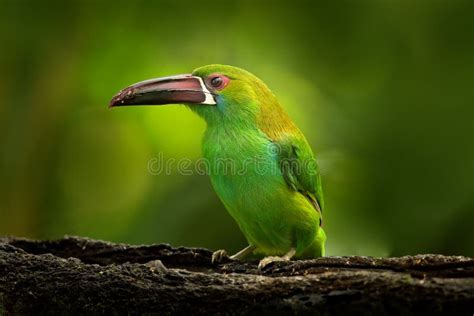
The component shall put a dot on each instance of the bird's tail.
(317, 247)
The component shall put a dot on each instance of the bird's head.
(220, 94)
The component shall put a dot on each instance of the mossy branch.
(80, 275)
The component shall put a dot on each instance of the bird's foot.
(268, 260)
(218, 256)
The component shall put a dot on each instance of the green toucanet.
(260, 164)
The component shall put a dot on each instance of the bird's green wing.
(299, 168)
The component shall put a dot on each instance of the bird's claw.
(218, 256)
(268, 260)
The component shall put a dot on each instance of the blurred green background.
(383, 90)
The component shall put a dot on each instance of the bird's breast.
(243, 168)
(237, 155)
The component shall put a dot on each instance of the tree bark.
(79, 275)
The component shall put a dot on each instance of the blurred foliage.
(383, 90)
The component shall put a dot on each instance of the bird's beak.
(167, 90)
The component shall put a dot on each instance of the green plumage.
(262, 167)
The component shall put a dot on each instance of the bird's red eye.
(218, 82)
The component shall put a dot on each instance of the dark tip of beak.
(120, 97)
